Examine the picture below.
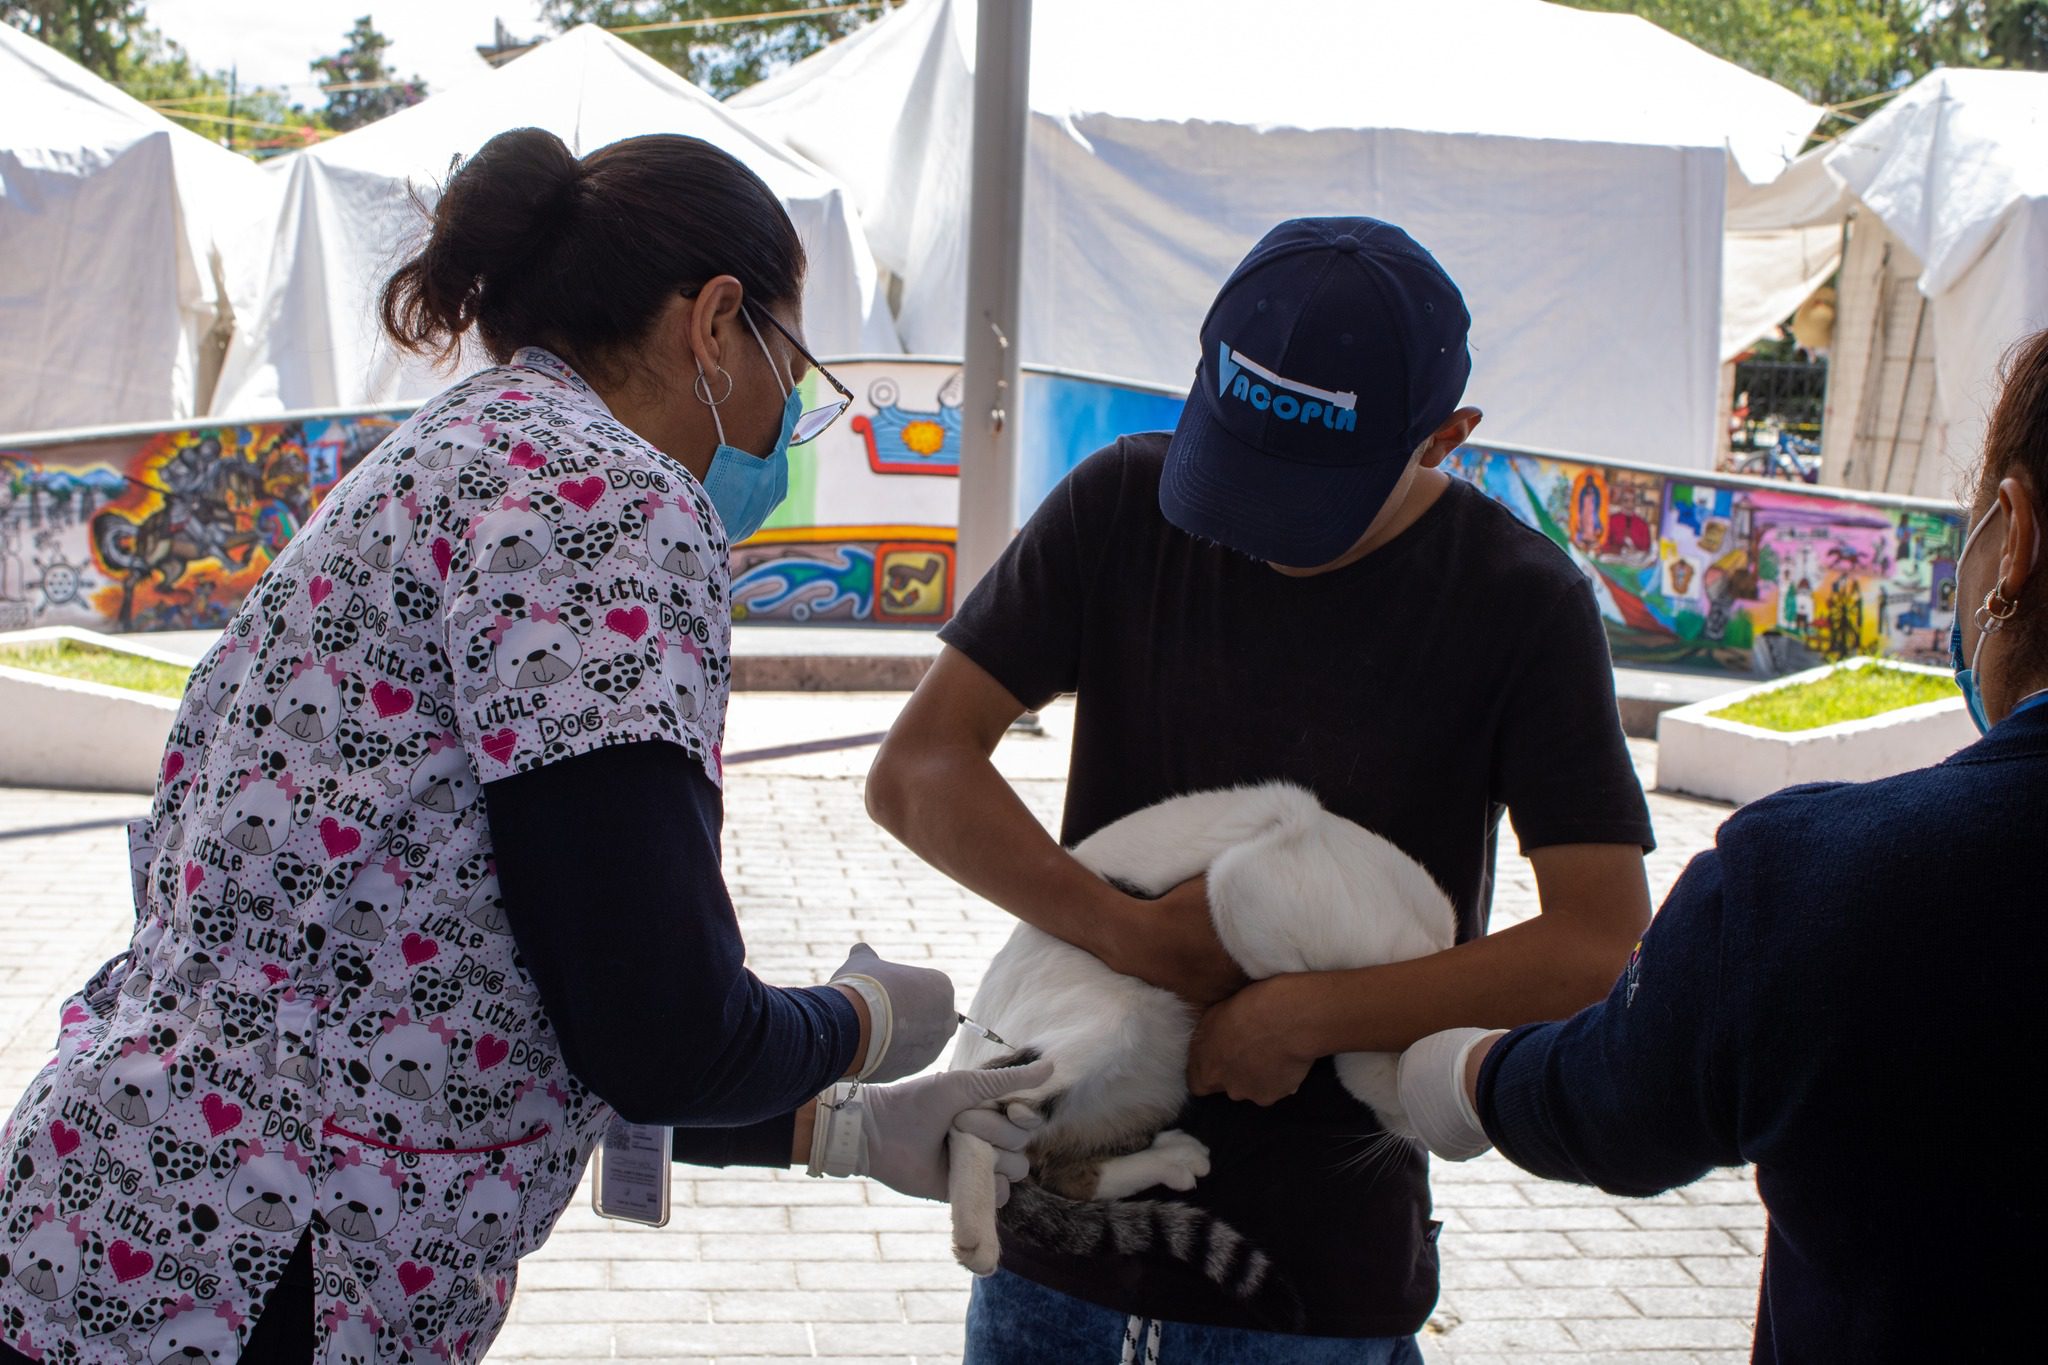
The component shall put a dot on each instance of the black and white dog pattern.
(320, 1028)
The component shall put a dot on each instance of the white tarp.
(1784, 239)
(1957, 168)
(111, 270)
(347, 220)
(1568, 168)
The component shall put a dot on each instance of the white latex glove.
(897, 1133)
(911, 1013)
(1432, 1088)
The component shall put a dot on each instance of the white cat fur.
(1292, 888)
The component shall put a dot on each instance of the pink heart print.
(221, 1114)
(501, 745)
(74, 1013)
(128, 1263)
(444, 555)
(318, 587)
(490, 1050)
(274, 973)
(174, 763)
(524, 456)
(339, 839)
(390, 701)
(583, 492)
(65, 1139)
(418, 948)
(413, 1277)
(631, 624)
(194, 874)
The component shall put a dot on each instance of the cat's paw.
(1181, 1159)
(980, 1258)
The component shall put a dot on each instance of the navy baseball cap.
(1332, 350)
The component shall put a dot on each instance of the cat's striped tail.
(1035, 1216)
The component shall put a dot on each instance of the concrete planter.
(1724, 760)
(61, 732)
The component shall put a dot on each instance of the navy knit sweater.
(1844, 992)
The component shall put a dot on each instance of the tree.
(1838, 51)
(721, 58)
(361, 88)
(1829, 51)
(2007, 33)
(94, 33)
(111, 39)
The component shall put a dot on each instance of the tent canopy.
(1570, 170)
(1957, 168)
(347, 219)
(111, 271)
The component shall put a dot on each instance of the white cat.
(1292, 888)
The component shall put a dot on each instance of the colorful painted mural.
(145, 530)
(1734, 574)
(161, 530)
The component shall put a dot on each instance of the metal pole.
(995, 259)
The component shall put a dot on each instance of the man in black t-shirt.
(1438, 664)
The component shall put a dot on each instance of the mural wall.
(168, 529)
(161, 530)
(1734, 574)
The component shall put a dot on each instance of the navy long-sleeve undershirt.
(1841, 992)
(609, 867)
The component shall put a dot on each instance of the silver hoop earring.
(703, 389)
(1990, 619)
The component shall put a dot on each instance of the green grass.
(1845, 694)
(70, 659)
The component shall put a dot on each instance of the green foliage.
(1844, 694)
(94, 33)
(87, 663)
(368, 88)
(1843, 51)
(720, 58)
(111, 39)
(1827, 50)
(2006, 33)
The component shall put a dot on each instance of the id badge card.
(631, 1179)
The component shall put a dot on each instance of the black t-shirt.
(1457, 671)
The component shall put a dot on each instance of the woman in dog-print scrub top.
(321, 1106)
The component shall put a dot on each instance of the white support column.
(995, 259)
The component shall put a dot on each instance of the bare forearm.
(953, 809)
(1538, 969)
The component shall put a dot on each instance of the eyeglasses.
(813, 423)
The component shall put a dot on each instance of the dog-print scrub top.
(321, 1026)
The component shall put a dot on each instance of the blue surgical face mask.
(1966, 670)
(746, 489)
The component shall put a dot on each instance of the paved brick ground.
(775, 1267)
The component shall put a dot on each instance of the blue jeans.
(1011, 1321)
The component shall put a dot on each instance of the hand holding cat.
(899, 1132)
(1250, 1046)
(1171, 943)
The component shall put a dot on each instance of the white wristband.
(838, 1140)
(1432, 1089)
(881, 1019)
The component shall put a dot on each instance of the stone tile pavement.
(770, 1266)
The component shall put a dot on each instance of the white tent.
(1570, 169)
(112, 280)
(1949, 187)
(347, 220)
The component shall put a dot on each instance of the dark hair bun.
(533, 247)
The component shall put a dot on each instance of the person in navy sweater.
(1841, 992)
